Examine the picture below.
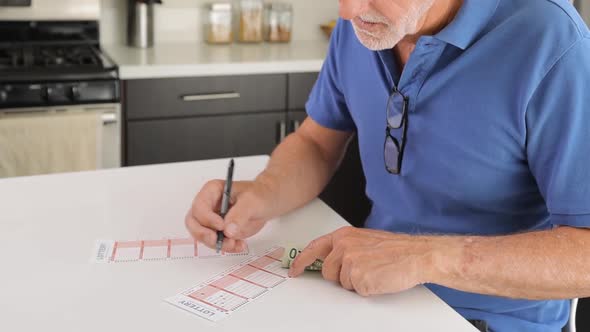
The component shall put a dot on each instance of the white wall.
(180, 20)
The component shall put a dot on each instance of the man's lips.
(368, 26)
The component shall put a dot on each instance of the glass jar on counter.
(278, 22)
(251, 17)
(218, 23)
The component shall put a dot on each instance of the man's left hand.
(370, 262)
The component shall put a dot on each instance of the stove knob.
(75, 93)
(48, 93)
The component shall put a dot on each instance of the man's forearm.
(552, 264)
(299, 170)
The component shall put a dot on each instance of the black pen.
(225, 201)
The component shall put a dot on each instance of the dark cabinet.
(200, 96)
(185, 139)
(295, 119)
(299, 87)
(183, 119)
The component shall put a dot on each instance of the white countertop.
(48, 226)
(183, 60)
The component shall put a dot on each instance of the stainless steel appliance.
(51, 61)
(140, 22)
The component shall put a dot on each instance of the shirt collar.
(469, 22)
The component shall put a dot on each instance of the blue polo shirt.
(498, 137)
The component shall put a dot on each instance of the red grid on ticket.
(276, 253)
(149, 250)
(229, 291)
(219, 298)
(257, 276)
(239, 287)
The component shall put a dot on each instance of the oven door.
(111, 151)
(111, 137)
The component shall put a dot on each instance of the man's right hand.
(250, 206)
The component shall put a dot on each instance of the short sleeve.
(558, 137)
(326, 104)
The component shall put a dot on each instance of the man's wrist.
(266, 186)
(445, 260)
(264, 182)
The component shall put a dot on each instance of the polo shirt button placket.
(429, 52)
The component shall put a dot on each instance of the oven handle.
(109, 118)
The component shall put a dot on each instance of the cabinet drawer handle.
(282, 131)
(213, 96)
(296, 125)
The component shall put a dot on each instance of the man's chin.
(373, 42)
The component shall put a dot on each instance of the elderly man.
(474, 132)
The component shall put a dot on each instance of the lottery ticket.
(220, 296)
(108, 251)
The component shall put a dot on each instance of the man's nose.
(350, 9)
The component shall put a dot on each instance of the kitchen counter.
(48, 225)
(200, 59)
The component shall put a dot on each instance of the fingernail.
(231, 230)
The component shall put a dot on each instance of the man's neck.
(435, 20)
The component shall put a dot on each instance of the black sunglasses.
(397, 118)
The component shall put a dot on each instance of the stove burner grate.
(33, 57)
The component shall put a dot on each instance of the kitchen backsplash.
(181, 20)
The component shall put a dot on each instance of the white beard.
(391, 35)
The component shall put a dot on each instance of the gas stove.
(51, 64)
(54, 63)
